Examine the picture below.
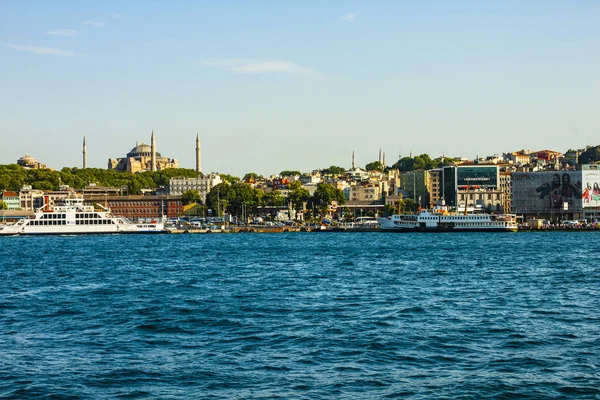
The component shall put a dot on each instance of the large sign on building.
(591, 186)
(475, 176)
(546, 192)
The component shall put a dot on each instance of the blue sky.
(274, 85)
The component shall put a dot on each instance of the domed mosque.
(141, 158)
(29, 162)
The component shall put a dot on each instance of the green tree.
(191, 196)
(134, 187)
(3, 205)
(229, 178)
(324, 195)
(289, 173)
(443, 162)
(590, 155)
(220, 197)
(274, 198)
(43, 185)
(241, 198)
(424, 162)
(408, 205)
(390, 209)
(298, 195)
(251, 175)
(374, 166)
(333, 170)
(405, 164)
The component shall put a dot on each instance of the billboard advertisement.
(591, 186)
(546, 192)
(472, 176)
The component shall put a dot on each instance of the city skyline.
(272, 86)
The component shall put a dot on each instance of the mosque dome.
(142, 150)
(27, 159)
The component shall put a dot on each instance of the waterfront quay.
(257, 228)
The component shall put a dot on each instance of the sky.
(296, 85)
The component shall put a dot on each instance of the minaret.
(384, 164)
(198, 155)
(153, 157)
(380, 158)
(353, 161)
(84, 154)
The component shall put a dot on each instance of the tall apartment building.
(506, 191)
(434, 186)
(414, 185)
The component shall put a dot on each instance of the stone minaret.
(353, 161)
(84, 154)
(198, 154)
(153, 157)
(384, 164)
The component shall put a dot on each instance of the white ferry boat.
(435, 221)
(71, 217)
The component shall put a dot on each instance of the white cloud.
(43, 50)
(63, 32)
(252, 66)
(116, 15)
(97, 24)
(350, 17)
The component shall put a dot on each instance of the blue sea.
(301, 316)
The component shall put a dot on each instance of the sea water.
(301, 315)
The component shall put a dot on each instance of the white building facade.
(177, 186)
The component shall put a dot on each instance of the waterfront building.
(557, 195)
(434, 186)
(11, 199)
(392, 178)
(365, 192)
(475, 186)
(140, 207)
(30, 199)
(29, 162)
(554, 195)
(505, 187)
(103, 190)
(393, 201)
(143, 158)
(414, 185)
(177, 186)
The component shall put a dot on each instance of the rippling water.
(307, 315)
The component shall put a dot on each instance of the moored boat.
(70, 216)
(431, 221)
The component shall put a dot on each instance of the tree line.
(14, 177)
(240, 198)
